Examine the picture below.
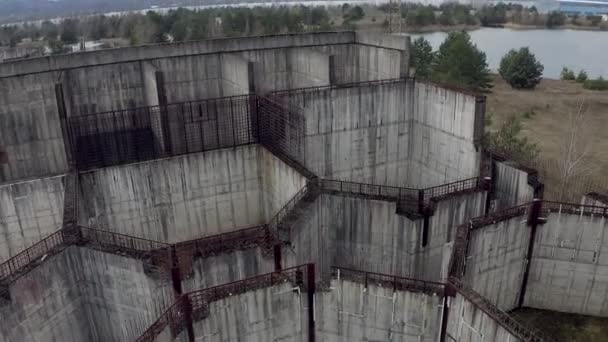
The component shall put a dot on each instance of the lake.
(575, 49)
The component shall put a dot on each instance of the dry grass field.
(551, 104)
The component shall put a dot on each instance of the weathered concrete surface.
(288, 68)
(358, 63)
(176, 199)
(47, 304)
(468, 323)
(351, 312)
(30, 129)
(496, 261)
(29, 212)
(280, 182)
(121, 300)
(227, 267)
(108, 56)
(358, 133)
(277, 313)
(389, 41)
(511, 186)
(569, 267)
(405, 133)
(442, 148)
(368, 235)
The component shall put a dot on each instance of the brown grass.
(552, 101)
(563, 327)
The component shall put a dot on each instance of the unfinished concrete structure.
(293, 187)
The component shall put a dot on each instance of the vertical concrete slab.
(275, 313)
(47, 303)
(30, 129)
(176, 199)
(496, 261)
(351, 312)
(468, 323)
(29, 212)
(569, 266)
(442, 142)
(234, 75)
(511, 186)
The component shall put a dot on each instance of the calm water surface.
(555, 49)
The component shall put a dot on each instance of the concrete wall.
(288, 68)
(511, 186)
(29, 212)
(30, 130)
(403, 134)
(280, 182)
(234, 75)
(227, 267)
(47, 304)
(468, 323)
(595, 199)
(358, 63)
(569, 267)
(496, 261)
(121, 300)
(350, 312)
(176, 199)
(104, 88)
(368, 235)
(358, 133)
(389, 41)
(275, 313)
(74, 60)
(441, 141)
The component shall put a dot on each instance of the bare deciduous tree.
(574, 149)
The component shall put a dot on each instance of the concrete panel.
(368, 235)
(47, 304)
(30, 129)
(442, 149)
(176, 199)
(496, 261)
(234, 76)
(191, 77)
(358, 63)
(29, 212)
(226, 268)
(389, 41)
(569, 267)
(89, 58)
(359, 134)
(511, 186)
(288, 68)
(104, 88)
(121, 300)
(468, 323)
(275, 313)
(279, 182)
(350, 312)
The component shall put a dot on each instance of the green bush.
(567, 74)
(597, 84)
(521, 69)
(582, 76)
(459, 61)
(422, 57)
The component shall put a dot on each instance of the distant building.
(584, 7)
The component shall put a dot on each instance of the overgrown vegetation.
(457, 61)
(597, 84)
(521, 69)
(508, 140)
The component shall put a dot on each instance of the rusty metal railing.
(523, 333)
(387, 280)
(196, 304)
(470, 184)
